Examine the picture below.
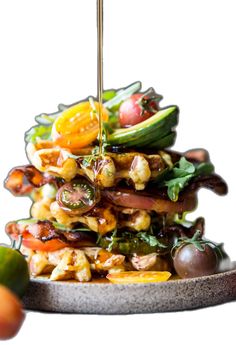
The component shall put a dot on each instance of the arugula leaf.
(186, 165)
(38, 132)
(88, 160)
(151, 240)
(176, 185)
(181, 174)
(113, 240)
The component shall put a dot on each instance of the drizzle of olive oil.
(100, 68)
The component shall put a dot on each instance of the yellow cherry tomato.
(78, 126)
(138, 277)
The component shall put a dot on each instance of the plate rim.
(130, 298)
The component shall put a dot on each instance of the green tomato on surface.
(14, 272)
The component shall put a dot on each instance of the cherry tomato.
(11, 314)
(78, 196)
(138, 277)
(136, 109)
(33, 243)
(190, 262)
(77, 126)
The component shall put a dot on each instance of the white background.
(186, 50)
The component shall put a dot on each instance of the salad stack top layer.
(119, 210)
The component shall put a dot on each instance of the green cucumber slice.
(164, 142)
(160, 123)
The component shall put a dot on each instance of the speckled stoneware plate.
(107, 298)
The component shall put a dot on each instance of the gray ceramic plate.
(107, 298)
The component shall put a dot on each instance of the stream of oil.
(100, 68)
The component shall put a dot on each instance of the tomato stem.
(198, 242)
(145, 103)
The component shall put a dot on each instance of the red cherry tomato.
(29, 241)
(136, 109)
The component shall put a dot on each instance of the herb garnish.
(151, 240)
(127, 242)
(184, 171)
(198, 243)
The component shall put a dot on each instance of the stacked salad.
(119, 210)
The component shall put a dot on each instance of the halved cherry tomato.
(131, 277)
(29, 241)
(137, 108)
(77, 126)
(77, 196)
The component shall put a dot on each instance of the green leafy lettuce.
(38, 132)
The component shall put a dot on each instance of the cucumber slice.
(154, 128)
(164, 142)
(155, 134)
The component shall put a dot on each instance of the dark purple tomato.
(77, 197)
(190, 262)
